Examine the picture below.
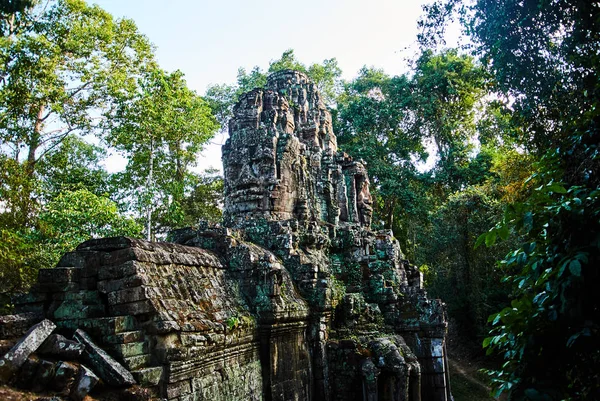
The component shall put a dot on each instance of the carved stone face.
(281, 162)
(250, 175)
(259, 165)
(364, 200)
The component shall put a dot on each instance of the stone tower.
(281, 160)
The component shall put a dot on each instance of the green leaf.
(480, 240)
(503, 232)
(490, 238)
(575, 267)
(556, 188)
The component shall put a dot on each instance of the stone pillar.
(369, 380)
(434, 382)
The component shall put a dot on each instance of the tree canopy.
(543, 56)
(75, 85)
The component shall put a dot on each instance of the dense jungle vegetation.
(483, 160)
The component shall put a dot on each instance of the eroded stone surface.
(60, 347)
(85, 383)
(111, 371)
(281, 159)
(16, 357)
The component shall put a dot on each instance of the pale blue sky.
(210, 40)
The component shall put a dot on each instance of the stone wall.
(294, 297)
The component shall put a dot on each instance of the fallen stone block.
(25, 378)
(109, 370)
(64, 377)
(43, 375)
(84, 384)
(61, 347)
(149, 376)
(18, 354)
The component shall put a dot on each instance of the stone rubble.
(109, 370)
(16, 357)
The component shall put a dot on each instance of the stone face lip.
(18, 354)
(109, 370)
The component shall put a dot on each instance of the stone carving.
(293, 297)
(281, 160)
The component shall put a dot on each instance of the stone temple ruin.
(293, 297)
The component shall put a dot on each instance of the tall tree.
(388, 121)
(59, 64)
(161, 129)
(373, 123)
(448, 89)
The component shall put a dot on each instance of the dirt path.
(458, 368)
(465, 384)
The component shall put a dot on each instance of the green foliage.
(338, 290)
(204, 200)
(16, 274)
(371, 123)
(161, 129)
(76, 216)
(17, 206)
(465, 278)
(61, 63)
(386, 121)
(232, 322)
(447, 90)
(222, 97)
(545, 57)
(74, 164)
(553, 275)
(68, 70)
(70, 218)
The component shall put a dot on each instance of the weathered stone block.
(85, 383)
(111, 371)
(64, 377)
(128, 267)
(44, 375)
(177, 389)
(131, 295)
(124, 337)
(111, 325)
(14, 326)
(113, 285)
(148, 376)
(130, 349)
(18, 354)
(136, 362)
(61, 347)
(132, 308)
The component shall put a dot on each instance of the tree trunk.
(149, 184)
(34, 142)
